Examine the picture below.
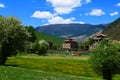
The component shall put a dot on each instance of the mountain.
(75, 30)
(113, 30)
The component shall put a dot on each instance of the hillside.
(113, 30)
(48, 37)
(80, 32)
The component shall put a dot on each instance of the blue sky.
(43, 12)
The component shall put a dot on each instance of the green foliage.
(105, 59)
(86, 44)
(56, 47)
(31, 31)
(113, 30)
(12, 37)
(39, 48)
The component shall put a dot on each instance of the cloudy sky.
(43, 12)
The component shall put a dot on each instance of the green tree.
(39, 48)
(105, 59)
(12, 37)
(31, 31)
(86, 44)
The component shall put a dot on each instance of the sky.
(43, 12)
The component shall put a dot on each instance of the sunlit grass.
(13, 73)
(50, 67)
(57, 64)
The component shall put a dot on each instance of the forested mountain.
(113, 30)
(80, 32)
(70, 30)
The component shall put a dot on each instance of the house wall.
(66, 45)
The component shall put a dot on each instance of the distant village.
(72, 45)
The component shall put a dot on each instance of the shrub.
(39, 48)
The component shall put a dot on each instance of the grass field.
(13, 73)
(57, 64)
(52, 67)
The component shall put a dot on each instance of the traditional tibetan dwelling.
(98, 37)
(70, 44)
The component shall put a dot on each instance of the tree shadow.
(14, 65)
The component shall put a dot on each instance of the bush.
(37, 48)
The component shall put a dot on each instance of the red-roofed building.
(99, 37)
(96, 38)
(70, 44)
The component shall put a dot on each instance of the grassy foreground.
(13, 73)
(67, 65)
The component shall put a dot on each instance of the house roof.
(70, 40)
(98, 35)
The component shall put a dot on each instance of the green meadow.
(13, 73)
(51, 67)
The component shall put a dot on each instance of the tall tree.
(31, 31)
(12, 37)
(105, 59)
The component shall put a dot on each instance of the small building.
(99, 37)
(96, 38)
(70, 44)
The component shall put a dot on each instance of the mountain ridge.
(72, 30)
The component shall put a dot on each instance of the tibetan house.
(70, 44)
(96, 38)
(99, 37)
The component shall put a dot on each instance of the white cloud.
(118, 4)
(81, 22)
(44, 14)
(2, 5)
(63, 10)
(96, 12)
(114, 13)
(60, 20)
(66, 6)
(88, 1)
